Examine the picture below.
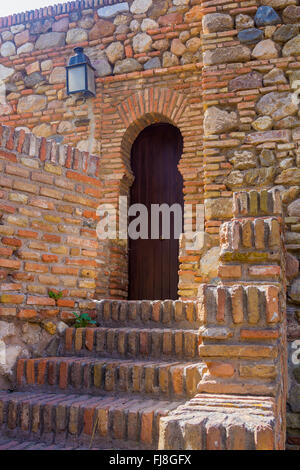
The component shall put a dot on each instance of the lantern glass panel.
(91, 80)
(76, 79)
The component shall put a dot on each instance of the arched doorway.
(153, 263)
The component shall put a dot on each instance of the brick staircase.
(107, 387)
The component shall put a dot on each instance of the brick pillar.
(242, 392)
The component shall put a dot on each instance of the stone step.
(164, 380)
(13, 444)
(148, 313)
(131, 343)
(82, 420)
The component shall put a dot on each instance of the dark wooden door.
(153, 263)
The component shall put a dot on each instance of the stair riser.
(167, 313)
(97, 378)
(72, 420)
(162, 344)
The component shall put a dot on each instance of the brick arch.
(150, 106)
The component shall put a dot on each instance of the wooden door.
(153, 263)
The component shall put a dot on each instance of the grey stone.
(277, 105)
(159, 8)
(142, 42)
(161, 45)
(153, 63)
(7, 49)
(18, 28)
(226, 55)
(112, 10)
(31, 103)
(102, 67)
(250, 36)
(266, 15)
(147, 23)
(86, 22)
(28, 47)
(292, 47)
(215, 22)
(7, 36)
(170, 59)
(263, 123)
(5, 72)
(243, 22)
(126, 66)
(218, 121)
(135, 26)
(41, 26)
(245, 82)
(33, 79)
(115, 51)
(267, 158)
(50, 40)
(140, 6)
(285, 32)
(122, 29)
(275, 77)
(76, 35)
(58, 75)
(265, 49)
(291, 14)
(61, 26)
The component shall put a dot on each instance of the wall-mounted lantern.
(80, 74)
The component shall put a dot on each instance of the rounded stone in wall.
(28, 47)
(127, 65)
(50, 41)
(142, 42)
(243, 22)
(263, 123)
(215, 22)
(292, 47)
(147, 23)
(8, 49)
(140, 6)
(58, 75)
(265, 49)
(115, 51)
(31, 103)
(76, 35)
(169, 59)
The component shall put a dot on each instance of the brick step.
(155, 314)
(131, 343)
(99, 376)
(80, 420)
(13, 444)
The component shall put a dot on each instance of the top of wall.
(54, 10)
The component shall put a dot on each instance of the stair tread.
(21, 444)
(113, 360)
(85, 400)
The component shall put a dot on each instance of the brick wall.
(49, 195)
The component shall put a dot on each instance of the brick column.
(242, 392)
